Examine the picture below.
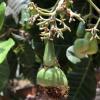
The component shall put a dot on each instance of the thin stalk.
(89, 14)
(94, 6)
(97, 23)
(52, 12)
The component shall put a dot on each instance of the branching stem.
(94, 6)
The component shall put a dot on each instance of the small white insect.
(14, 7)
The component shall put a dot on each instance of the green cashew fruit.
(52, 77)
(80, 47)
(80, 30)
(93, 44)
(88, 35)
(71, 55)
(93, 47)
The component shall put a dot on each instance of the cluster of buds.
(49, 23)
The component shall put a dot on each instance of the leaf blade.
(5, 46)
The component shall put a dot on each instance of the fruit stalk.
(49, 58)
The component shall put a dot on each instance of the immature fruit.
(93, 45)
(80, 47)
(71, 55)
(88, 35)
(52, 77)
(49, 58)
(80, 30)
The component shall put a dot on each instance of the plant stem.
(72, 14)
(96, 25)
(89, 14)
(57, 6)
(53, 11)
(94, 6)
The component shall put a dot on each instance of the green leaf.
(5, 46)
(82, 81)
(27, 56)
(4, 74)
(2, 13)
